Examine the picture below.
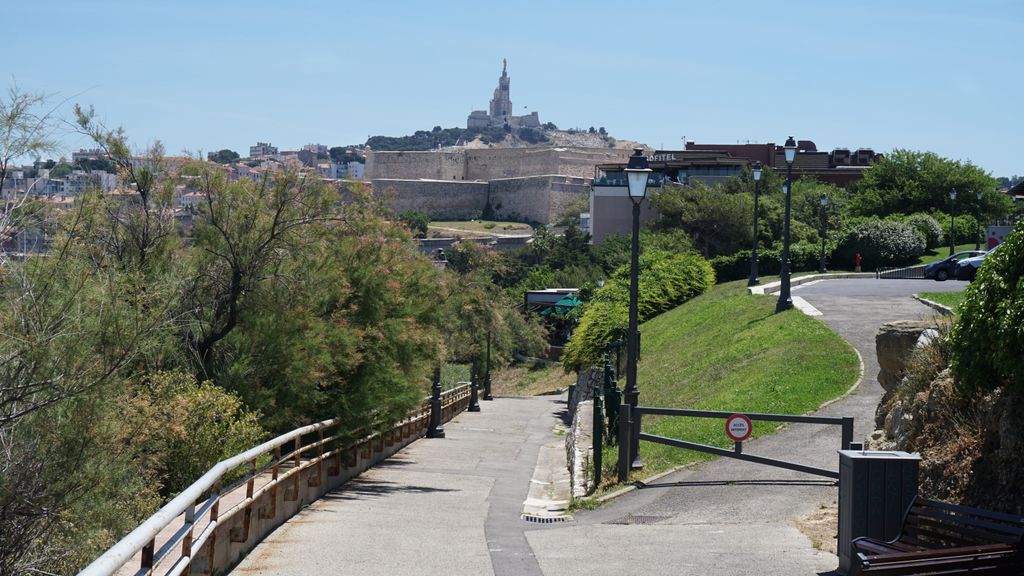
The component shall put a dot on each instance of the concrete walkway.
(441, 506)
(454, 505)
(728, 517)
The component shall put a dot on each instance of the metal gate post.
(625, 458)
(474, 388)
(436, 430)
(598, 433)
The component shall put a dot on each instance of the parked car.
(967, 269)
(945, 269)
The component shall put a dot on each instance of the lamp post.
(821, 260)
(756, 172)
(637, 175)
(785, 299)
(977, 216)
(952, 221)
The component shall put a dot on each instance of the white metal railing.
(199, 505)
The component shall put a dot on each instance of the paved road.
(447, 506)
(728, 517)
(452, 506)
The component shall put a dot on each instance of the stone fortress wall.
(533, 184)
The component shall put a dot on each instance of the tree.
(225, 156)
(26, 124)
(417, 221)
(907, 181)
(718, 222)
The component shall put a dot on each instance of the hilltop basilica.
(500, 113)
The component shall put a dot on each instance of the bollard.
(625, 458)
(598, 433)
(436, 430)
(474, 394)
(487, 371)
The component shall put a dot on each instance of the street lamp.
(756, 172)
(952, 221)
(821, 259)
(977, 216)
(637, 175)
(785, 299)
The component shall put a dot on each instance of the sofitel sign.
(661, 157)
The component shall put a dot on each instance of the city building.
(711, 164)
(501, 112)
(262, 150)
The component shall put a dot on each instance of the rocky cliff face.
(972, 444)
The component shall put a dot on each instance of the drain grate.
(545, 519)
(639, 519)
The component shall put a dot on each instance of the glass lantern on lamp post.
(755, 171)
(952, 221)
(637, 175)
(977, 217)
(785, 301)
(824, 208)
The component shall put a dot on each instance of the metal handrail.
(119, 554)
(143, 537)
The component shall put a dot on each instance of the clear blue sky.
(940, 75)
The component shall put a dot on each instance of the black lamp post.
(785, 298)
(952, 221)
(821, 259)
(756, 172)
(637, 175)
(977, 216)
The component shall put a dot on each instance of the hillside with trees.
(135, 357)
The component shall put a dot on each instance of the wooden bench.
(940, 538)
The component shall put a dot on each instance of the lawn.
(530, 379)
(727, 350)
(478, 228)
(951, 299)
(943, 252)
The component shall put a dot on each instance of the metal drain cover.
(545, 519)
(639, 519)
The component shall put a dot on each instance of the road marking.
(805, 307)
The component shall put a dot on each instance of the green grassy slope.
(727, 350)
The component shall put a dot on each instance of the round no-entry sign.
(738, 427)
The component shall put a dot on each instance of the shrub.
(966, 227)
(988, 337)
(666, 281)
(802, 258)
(416, 221)
(929, 228)
(881, 243)
(184, 427)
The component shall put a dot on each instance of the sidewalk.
(440, 506)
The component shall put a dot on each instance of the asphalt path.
(453, 505)
(731, 517)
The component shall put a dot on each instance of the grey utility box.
(875, 490)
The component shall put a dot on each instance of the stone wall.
(439, 199)
(431, 164)
(489, 163)
(536, 199)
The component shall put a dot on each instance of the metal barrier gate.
(629, 424)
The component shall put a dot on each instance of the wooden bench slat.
(955, 535)
(1012, 519)
(974, 521)
(939, 538)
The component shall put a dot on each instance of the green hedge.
(666, 281)
(802, 257)
(988, 337)
(881, 243)
(928, 228)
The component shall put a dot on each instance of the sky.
(938, 75)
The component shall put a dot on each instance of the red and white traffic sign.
(738, 427)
